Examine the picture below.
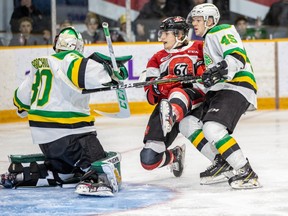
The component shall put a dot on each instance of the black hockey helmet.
(174, 24)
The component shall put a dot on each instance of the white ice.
(262, 135)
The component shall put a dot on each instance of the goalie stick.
(124, 109)
(191, 79)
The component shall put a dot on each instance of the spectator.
(225, 12)
(185, 8)
(259, 31)
(93, 34)
(248, 33)
(277, 19)
(46, 37)
(27, 9)
(277, 14)
(241, 24)
(64, 24)
(150, 17)
(25, 37)
(186, 5)
(121, 34)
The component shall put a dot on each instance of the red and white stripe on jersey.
(179, 62)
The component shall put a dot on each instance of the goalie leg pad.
(110, 165)
(27, 169)
(103, 178)
(32, 170)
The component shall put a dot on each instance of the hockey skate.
(90, 188)
(219, 171)
(245, 178)
(166, 116)
(103, 179)
(177, 166)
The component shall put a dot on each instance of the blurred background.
(130, 20)
(28, 28)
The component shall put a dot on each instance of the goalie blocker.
(33, 171)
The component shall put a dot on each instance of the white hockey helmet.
(69, 39)
(205, 10)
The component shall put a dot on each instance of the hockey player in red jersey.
(174, 101)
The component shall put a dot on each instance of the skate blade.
(86, 191)
(223, 177)
(251, 184)
(97, 194)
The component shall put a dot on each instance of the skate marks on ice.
(63, 201)
(263, 138)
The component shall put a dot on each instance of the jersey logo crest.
(207, 60)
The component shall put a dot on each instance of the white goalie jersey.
(51, 95)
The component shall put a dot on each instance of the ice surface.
(262, 135)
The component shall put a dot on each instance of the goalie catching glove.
(215, 74)
(121, 74)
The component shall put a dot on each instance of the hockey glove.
(164, 88)
(154, 93)
(199, 68)
(215, 74)
(187, 84)
(122, 74)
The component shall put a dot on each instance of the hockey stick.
(121, 93)
(191, 79)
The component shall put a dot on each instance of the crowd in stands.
(28, 26)
(250, 32)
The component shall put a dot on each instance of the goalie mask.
(68, 39)
(205, 10)
(175, 24)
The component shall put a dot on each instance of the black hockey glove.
(187, 84)
(215, 74)
(122, 74)
(163, 89)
